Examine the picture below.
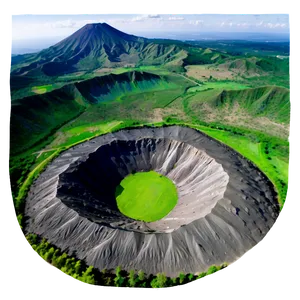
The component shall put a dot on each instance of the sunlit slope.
(254, 66)
(264, 108)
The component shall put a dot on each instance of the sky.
(50, 26)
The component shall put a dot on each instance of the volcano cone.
(225, 204)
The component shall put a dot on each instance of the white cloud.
(176, 18)
(143, 18)
(137, 19)
(196, 22)
(154, 16)
(70, 23)
(271, 25)
(64, 24)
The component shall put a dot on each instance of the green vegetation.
(226, 85)
(146, 196)
(118, 277)
(244, 48)
(235, 92)
(42, 89)
(269, 101)
(44, 114)
(263, 109)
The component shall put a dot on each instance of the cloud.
(271, 25)
(63, 24)
(175, 18)
(154, 16)
(196, 22)
(70, 23)
(137, 19)
(145, 18)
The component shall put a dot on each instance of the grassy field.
(220, 85)
(146, 196)
(42, 89)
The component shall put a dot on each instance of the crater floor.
(146, 196)
(225, 204)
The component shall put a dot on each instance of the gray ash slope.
(225, 207)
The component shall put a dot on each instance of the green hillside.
(266, 109)
(270, 101)
(35, 117)
(111, 87)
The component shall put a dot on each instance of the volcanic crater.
(225, 204)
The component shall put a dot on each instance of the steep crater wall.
(88, 186)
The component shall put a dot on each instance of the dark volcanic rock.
(225, 204)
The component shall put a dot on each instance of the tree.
(61, 260)
(56, 255)
(159, 281)
(78, 267)
(212, 270)
(141, 275)
(119, 280)
(108, 281)
(48, 256)
(182, 278)
(88, 276)
(191, 277)
(174, 281)
(132, 279)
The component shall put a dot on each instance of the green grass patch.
(146, 196)
(221, 85)
(42, 89)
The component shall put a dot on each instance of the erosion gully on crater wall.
(225, 204)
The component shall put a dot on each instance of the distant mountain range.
(96, 46)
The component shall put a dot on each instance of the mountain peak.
(95, 25)
(93, 46)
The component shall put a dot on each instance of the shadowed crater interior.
(89, 186)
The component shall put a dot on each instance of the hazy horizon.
(31, 33)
